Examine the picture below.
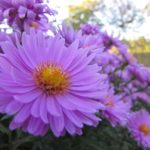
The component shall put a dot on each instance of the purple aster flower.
(127, 56)
(117, 111)
(89, 29)
(85, 41)
(115, 46)
(108, 41)
(114, 54)
(93, 43)
(24, 14)
(53, 85)
(139, 126)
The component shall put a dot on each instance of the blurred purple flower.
(139, 126)
(24, 14)
(140, 72)
(115, 46)
(93, 43)
(88, 29)
(117, 110)
(69, 34)
(108, 41)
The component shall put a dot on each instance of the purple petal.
(43, 110)
(13, 125)
(53, 127)
(23, 114)
(53, 107)
(70, 127)
(64, 102)
(59, 123)
(28, 97)
(74, 118)
(13, 107)
(35, 110)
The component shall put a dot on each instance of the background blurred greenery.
(125, 16)
(141, 49)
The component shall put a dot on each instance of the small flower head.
(69, 34)
(88, 29)
(25, 14)
(139, 126)
(116, 110)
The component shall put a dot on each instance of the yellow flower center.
(109, 103)
(114, 50)
(34, 24)
(51, 79)
(145, 129)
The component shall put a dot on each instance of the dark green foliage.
(103, 137)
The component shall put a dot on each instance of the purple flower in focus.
(139, 126)
(52, 85)
(24, 14)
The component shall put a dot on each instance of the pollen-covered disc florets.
(51, 79)
(145, 129)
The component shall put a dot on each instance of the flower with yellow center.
(34, 24)
(109, 103)
(145, 129)
(51, 79)
(114, 50)
(58, 86)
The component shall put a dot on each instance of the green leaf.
(4, 130)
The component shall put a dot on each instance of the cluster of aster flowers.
(128, 81)
(23, 14)
(74, 78)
